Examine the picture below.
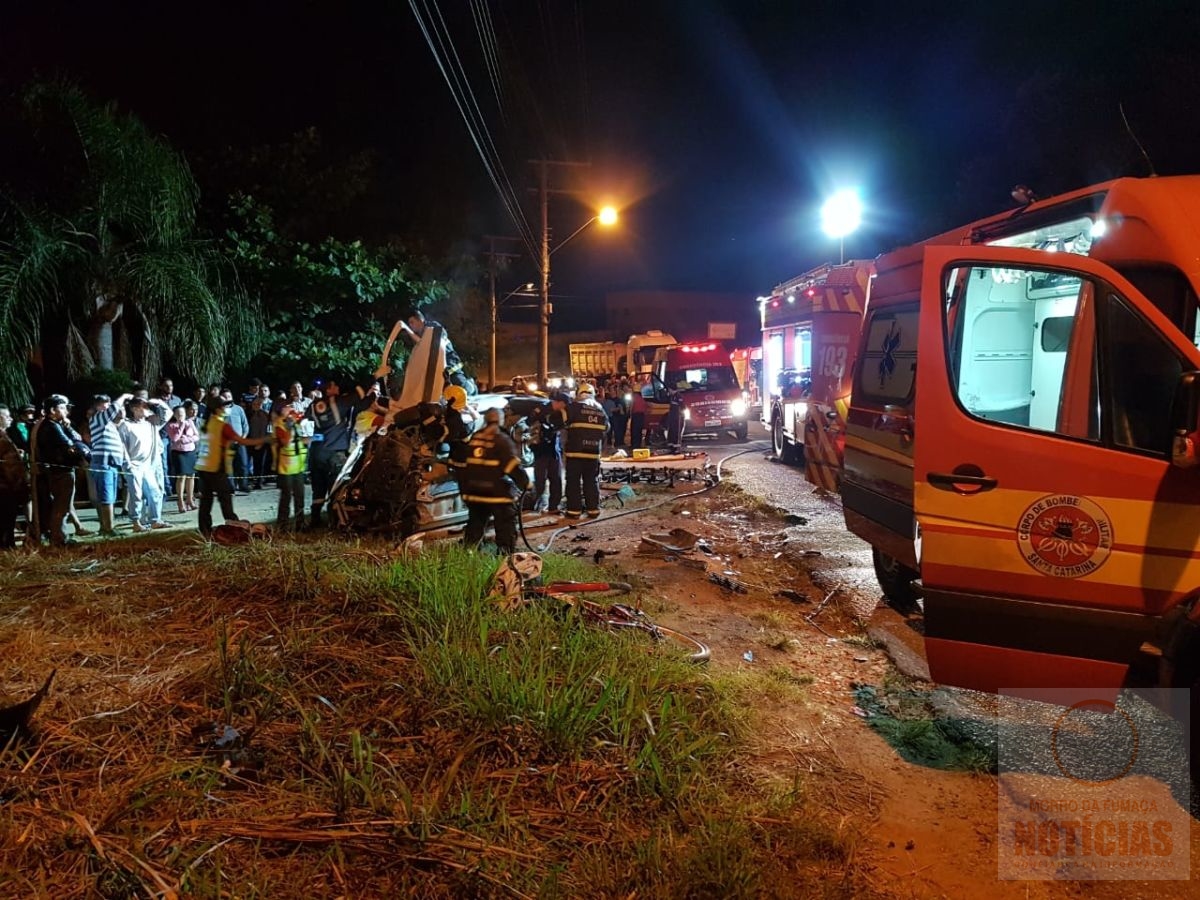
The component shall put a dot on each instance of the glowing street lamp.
(840, 216)
(606, 217)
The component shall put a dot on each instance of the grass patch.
(313, 718)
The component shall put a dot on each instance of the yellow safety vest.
(293, 452)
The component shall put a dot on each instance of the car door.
(1052, 526)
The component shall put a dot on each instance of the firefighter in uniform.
(585, 424)
(489, 484)
(453, 374)
(457, 433)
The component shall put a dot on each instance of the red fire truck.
(701, 376)
(810, 329)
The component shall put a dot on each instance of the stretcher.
(664, 469)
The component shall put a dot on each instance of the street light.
(841, 215)
(523, 289)
(606, 217)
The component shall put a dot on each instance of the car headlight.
(531, 386)
(687, 414)
(737, 407)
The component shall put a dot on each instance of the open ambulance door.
(1053, 528)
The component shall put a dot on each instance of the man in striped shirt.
(108, 455)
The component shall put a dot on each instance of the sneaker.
(160, 525)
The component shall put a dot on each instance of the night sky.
(717, 126)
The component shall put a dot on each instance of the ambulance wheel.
(896, 580)
(785, 450)
(743, 432)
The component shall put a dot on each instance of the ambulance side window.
(1010, 334)
(1139, 372)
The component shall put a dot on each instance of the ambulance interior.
(1163, 284)
(1011, 333)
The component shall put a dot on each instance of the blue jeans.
(107, 481)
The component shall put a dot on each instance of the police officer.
(489, 483)
(585, 424)
(332, 416)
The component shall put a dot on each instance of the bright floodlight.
(608, 216)
(841, 213)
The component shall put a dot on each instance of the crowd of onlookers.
(134, 454)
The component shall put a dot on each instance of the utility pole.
(492, 255)
(544, 307)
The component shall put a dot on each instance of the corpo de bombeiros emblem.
(1065, 536)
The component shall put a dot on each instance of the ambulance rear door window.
(888, 368)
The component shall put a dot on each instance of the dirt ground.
(753, 589)
(925, 833)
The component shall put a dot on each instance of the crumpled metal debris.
(728, 583)
(677, 540)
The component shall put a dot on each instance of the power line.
(456, 79)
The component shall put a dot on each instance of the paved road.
(834, 558)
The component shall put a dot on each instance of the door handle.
(962, 482)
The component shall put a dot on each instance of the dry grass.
(395, 736)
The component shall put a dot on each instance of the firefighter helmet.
(455, 397)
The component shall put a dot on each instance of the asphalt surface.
(836, 560)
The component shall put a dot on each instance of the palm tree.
(111, 255)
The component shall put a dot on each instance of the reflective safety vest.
(492, 470)
(293, 450)
(586, 426)
(215, 452)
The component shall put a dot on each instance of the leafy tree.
(100, 251)
(329, 305)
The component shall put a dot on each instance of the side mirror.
(1185, 411)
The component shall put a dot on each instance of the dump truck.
(598, 359)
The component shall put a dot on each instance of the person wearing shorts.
(108, 456)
